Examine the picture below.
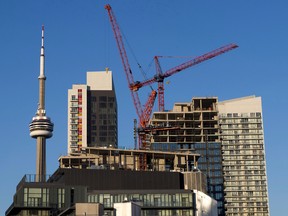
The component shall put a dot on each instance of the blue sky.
(78, 38)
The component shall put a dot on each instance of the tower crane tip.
(107, 7)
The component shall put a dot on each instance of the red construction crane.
(160, 76)
(143, 114)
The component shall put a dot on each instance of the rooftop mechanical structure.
(41, 127)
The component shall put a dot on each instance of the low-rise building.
(82, 187)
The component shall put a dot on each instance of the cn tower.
(41, 127)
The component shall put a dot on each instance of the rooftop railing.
(31, 178)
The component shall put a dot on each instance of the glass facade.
(34, 212)
(38, 197)
(44, 197)
(148, 200)
(152, 204)
(211, 164)
(102, 119)
(167, 212)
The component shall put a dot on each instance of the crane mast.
(143, 115)
(160, 81)
(124, 58)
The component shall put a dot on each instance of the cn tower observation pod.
(41, 126)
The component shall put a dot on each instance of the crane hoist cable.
(144, 74)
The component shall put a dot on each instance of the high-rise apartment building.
(92, 113)
(229, 136)
(244, 167)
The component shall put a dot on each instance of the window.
(102, 98)
(61, 196)
(103, 133)
(218, 188)
(36, 197)
(157, 201)
(103, 128)
(35, 212)
(102, 105)
(93, 198)
(244, 115)
(103, 139)
(107, 200)
(235, 114)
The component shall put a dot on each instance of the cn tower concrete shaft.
(42, 93)
(41, 159)
(41, 127)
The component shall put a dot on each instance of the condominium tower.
(92, 113)
(244, 167)
(229, 136)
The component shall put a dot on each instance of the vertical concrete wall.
(100, 80)
(127, 209)
(89, 209)
(205, 205)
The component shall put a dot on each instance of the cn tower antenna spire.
(42, 56)
(41, 127)
(42, 78)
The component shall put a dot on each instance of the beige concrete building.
(245, 178)
(92, 112)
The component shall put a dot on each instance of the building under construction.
(197, 130)
(124, 159)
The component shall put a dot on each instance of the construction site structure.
(146, 131)
(128, 159)
(198, 131)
